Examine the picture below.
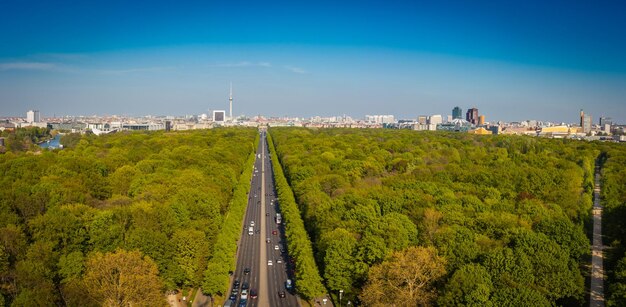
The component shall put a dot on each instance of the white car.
(244, 294)
(269, 262)
(252, 223)
(276, 247)
(279, 261)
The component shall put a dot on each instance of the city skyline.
(532, 61)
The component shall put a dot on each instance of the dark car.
(243, 303)
(245, 285)
(253, 293)
(233, 297)
(246, 271)
(235, 291)
(236, 284)
(281, 294)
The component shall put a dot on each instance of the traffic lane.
(247, 251)
(281, 271)
(276, 271)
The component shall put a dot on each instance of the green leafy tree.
(339, 259)
(470, 285)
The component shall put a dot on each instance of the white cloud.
(243, 64)
(297, 70)
(27, 66)
(61, 56)
(135, 70)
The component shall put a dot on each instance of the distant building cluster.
(473, 122)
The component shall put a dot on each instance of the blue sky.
(512, 60)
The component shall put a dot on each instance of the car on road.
(253, 293)
(236, 284)
(279, 261)
(281, 294)
(288, 284)
(276, 247)
(235, 291)
(269, 262)
(252, 223)
(244, 294)
(232, 297)
(246, 271)
(245, 286)
(274, 232)
(268, 240)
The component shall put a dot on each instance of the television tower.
(230, 101)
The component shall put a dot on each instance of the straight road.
(255, 251)
(596, 296)
(281, 269)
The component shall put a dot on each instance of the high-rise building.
(457, 113)
(481, 120)
(606, 121)
(585, 121)
(32, 116)
(582, 118)
(422, 119)
(218, 116)
(435, 119)
(472, 116)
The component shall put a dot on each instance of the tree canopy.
(510, 210)
(157, 200)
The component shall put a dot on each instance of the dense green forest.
(150, 205)
(613, 195)
(444, 218)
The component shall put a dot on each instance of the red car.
(274, 232)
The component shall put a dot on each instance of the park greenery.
(119, 219)
(387, 216)
(445, 218)
(613, 196)
(307, 278)
(22, 139)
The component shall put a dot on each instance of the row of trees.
(613, 197)
(165, 195)
(499, 218)
(223, 261)
(308, 281)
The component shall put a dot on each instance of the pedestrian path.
(596, 296)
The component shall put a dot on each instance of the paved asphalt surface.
(254, 252)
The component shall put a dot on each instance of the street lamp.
(340, 295)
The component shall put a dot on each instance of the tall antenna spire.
(230, 100)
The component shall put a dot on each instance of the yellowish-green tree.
(123, 278)
(407, 278)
